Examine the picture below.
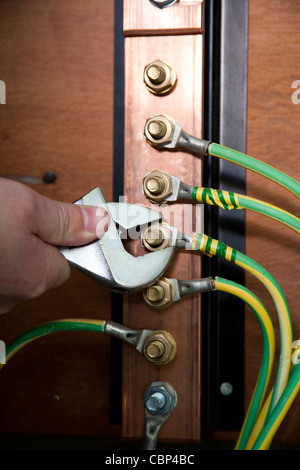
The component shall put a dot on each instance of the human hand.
(30, 227)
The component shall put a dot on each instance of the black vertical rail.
(118, 191)
(224, 122)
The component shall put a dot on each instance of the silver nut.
(156, 402)
(160, 398)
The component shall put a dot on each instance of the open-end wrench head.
(107, 261)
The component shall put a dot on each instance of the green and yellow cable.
(255, 165)
(212, 247)
(283, 405)
(52, 327)
(228, 200)
(259, 424)
(263, 379)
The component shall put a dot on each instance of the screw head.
(226, 388)
(155, 349)
(159, 77)
(155, 185)
(154, 237)
(156, 74)
(166, 340)
(49, 176)
(156, 402)
(157, 129)
(155, 293)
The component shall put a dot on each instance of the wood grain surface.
(182, 319)
(56, 59)
(273, 136)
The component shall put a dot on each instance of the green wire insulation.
(267, 358)
(213, 247)
(257, 166)
(283, 405)
(52, 327)
(228, 200)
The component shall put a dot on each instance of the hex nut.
(156, 237)
(159, 77)
(167, 123)
(169, 393)
(169, 343)
(168, 294)
(157, 186)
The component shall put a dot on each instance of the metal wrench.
(106, 260)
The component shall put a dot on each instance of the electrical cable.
(52, 327)
(283, 405)
(228, 200)
(259, 424)
(263, 379)
(212, 247)
(255, 165)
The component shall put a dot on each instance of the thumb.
(61, 223)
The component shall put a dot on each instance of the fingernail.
(95, 219)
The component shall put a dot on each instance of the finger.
(61, 223)
(44, 268)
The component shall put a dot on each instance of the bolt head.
(226, 388)
(155, 293)
(156, 74)
(156, 402)
(157, 129)
(168, 342)
(154, 237)
(160, 391)
(159, 77)
(169, 124)
(157, 186)
(155, 349)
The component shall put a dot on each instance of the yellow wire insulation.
(281, 307)
(270, 331)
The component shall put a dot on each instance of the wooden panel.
(182, 320)
(273, 136)
(56, 59)
(143, 18)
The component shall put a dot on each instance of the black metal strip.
(225, 122)
(118, 185)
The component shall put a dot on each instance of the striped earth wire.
(257, 166)
(212, 247)
(268, 334)
(282, 407)
(228, 200)
(259, 424)
(52, 327)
